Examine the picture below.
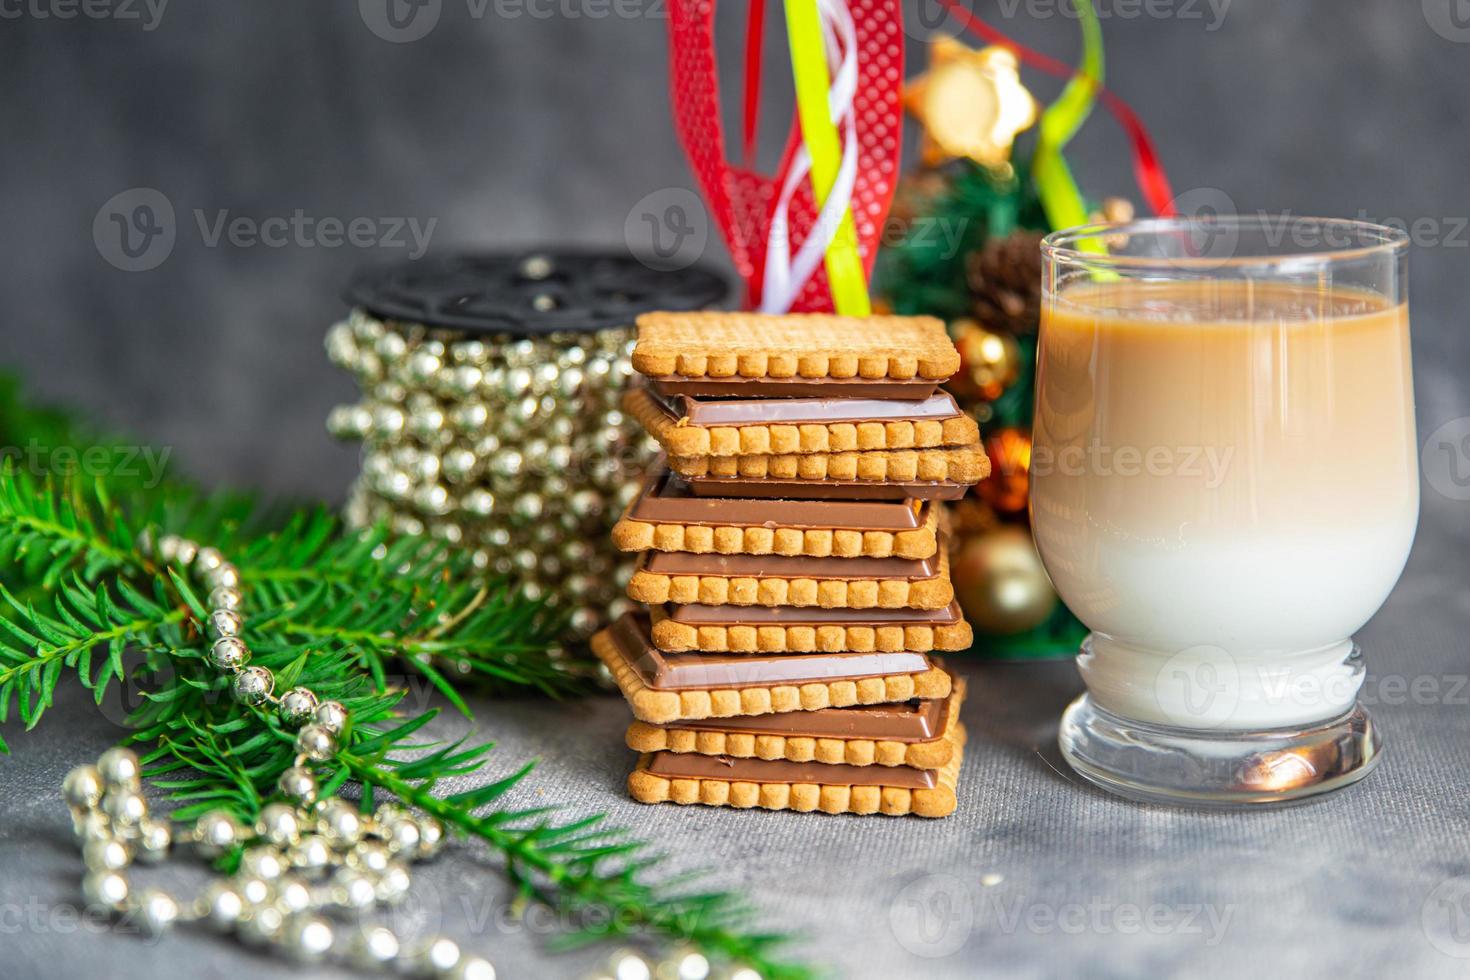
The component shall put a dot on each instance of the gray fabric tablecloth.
(1036, 875)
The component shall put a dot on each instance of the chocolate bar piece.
(790, 566)
(668, 499)
(689, 410)
(675, 672)
(695, 614)
(681, 765)
(725, 487)
(912, 721)
(766, 387)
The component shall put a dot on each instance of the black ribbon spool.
(530, 293)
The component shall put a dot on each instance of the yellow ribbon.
(819, 132)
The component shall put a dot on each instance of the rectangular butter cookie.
(764, 629)
(778, 580)
(688, 426)
(666, 516)
(806, 345)
(668, 777)
(662, 687)
(918, 734)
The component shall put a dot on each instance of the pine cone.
(1005, 282)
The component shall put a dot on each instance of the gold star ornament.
(971, 103)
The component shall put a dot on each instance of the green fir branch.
(336, 611)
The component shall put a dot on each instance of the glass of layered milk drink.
(1224, 489)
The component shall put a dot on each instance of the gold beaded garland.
(296, 854)
(512, 447)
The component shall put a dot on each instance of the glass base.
(1185, 767)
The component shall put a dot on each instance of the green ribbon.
(1060, 196)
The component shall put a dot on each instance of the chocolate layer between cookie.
(669, 499)
(690, 410)
(922, 733)
(686, 765)
(675, 563)
(911, 721)
(695, 614)
(763, 387)
(725, 487)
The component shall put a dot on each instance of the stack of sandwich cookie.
(794, 563)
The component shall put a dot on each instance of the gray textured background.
(513, 128)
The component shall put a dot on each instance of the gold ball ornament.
(1000, 583)
(971, 104)
(989, 362)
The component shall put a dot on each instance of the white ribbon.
(785, 277)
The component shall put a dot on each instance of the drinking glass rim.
(1061, 246)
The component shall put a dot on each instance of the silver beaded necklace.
(306, 862)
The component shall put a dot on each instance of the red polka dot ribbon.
(742, 201)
